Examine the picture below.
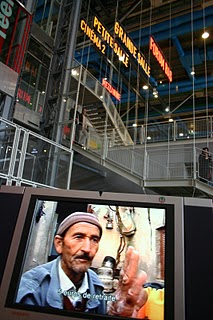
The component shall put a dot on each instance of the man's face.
(78, 248)
(205, 151)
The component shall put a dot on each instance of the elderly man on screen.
(68, 282)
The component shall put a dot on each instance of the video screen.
(88, 259)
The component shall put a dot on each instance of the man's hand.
(130, 295)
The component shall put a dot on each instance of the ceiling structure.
(176, 27)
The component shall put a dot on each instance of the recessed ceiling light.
(205, 35)
(145, 87)
(155, 93)
(74, 72)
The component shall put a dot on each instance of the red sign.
(30, 68)
(23, 95)
(15, 23)
(111, 90)
(160, 57)
(6, 10)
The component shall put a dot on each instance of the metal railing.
(177, 130)
(170, 161)
(82, 75)
(28, 158)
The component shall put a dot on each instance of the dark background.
(198, 262)
(10, 205)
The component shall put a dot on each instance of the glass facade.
(34, 77)
(46, 16)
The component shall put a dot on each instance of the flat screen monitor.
(151, 224)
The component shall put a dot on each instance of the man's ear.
(58, 241)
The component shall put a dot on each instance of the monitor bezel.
(92, 196)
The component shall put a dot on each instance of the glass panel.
(186, 130)
(46, 163)
(160, 132)
(46, 16)
(57, 173)
(6, 143)
(32, 89)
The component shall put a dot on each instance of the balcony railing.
(28, 158)
(184, 129)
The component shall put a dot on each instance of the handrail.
(102, 94)
(173, 131)
(162, 163)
